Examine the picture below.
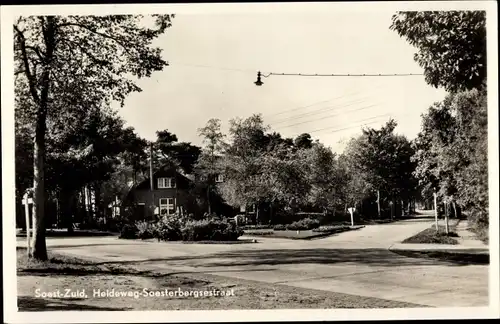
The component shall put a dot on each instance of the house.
(170, 193)
(173, 192)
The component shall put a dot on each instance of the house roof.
(166, 167)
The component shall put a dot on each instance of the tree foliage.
(382, 160)
(326, 177)
(208, 165)
(451, 45)
(452, 154)
(168, 150)
(73, 63)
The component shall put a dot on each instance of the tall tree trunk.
(393, 207)
(39, 250)
(378, 203)
(67, 208)
(58, 209)
(436, 210)
(271, 213)
(453, 203)
(98, 204)
(446, 217)
(208, 200)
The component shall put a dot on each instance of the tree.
(208, 164)
(180, 154)
(354, 187)
(284, 178)
(242, 165)
(64, 62)
(86, 159)
(325, 177)
(451, 151)
(384, 160)
(274, 140)
(303, 141)
(472, 150)
(451, 45)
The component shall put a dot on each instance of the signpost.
(351, 211)
(26, 202)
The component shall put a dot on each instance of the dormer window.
(165, 183)
(219, 178)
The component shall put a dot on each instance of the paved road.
(356, 262)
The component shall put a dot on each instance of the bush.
(145, 230)
(168, 228)
(279, 227)
(262, 233)
(174, 228)
(330, 228)
(129, 231)
(210, 230)
(303, 224)
(255, 227)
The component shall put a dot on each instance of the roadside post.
(351, 211)
(27, 200)
(436, 211)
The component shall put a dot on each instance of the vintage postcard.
(250, 162)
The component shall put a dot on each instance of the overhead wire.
(323, 109)
(343, 75)
(329, 116)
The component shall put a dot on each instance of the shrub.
(262, 233)
(255, 227)
(303, 224)
(211, 230)
(279, 227)
(168, 228)
(129, 231)
(330, 228)
(145, 230)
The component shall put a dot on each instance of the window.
(167, 206)
(219, 178)
(166, 183)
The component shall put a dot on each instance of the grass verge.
(481, 233)
(431, 236)
(298, 235)
(83, 278)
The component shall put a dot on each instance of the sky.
(214, 59)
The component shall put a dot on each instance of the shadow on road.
(32, 304)
(375, 257)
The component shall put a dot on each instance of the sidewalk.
(467, 244)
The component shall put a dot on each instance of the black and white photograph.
(250, 161)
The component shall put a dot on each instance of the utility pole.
(151, 184)
(151, 165)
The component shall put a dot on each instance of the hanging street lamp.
(259, 81)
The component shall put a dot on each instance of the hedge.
(175, 228)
